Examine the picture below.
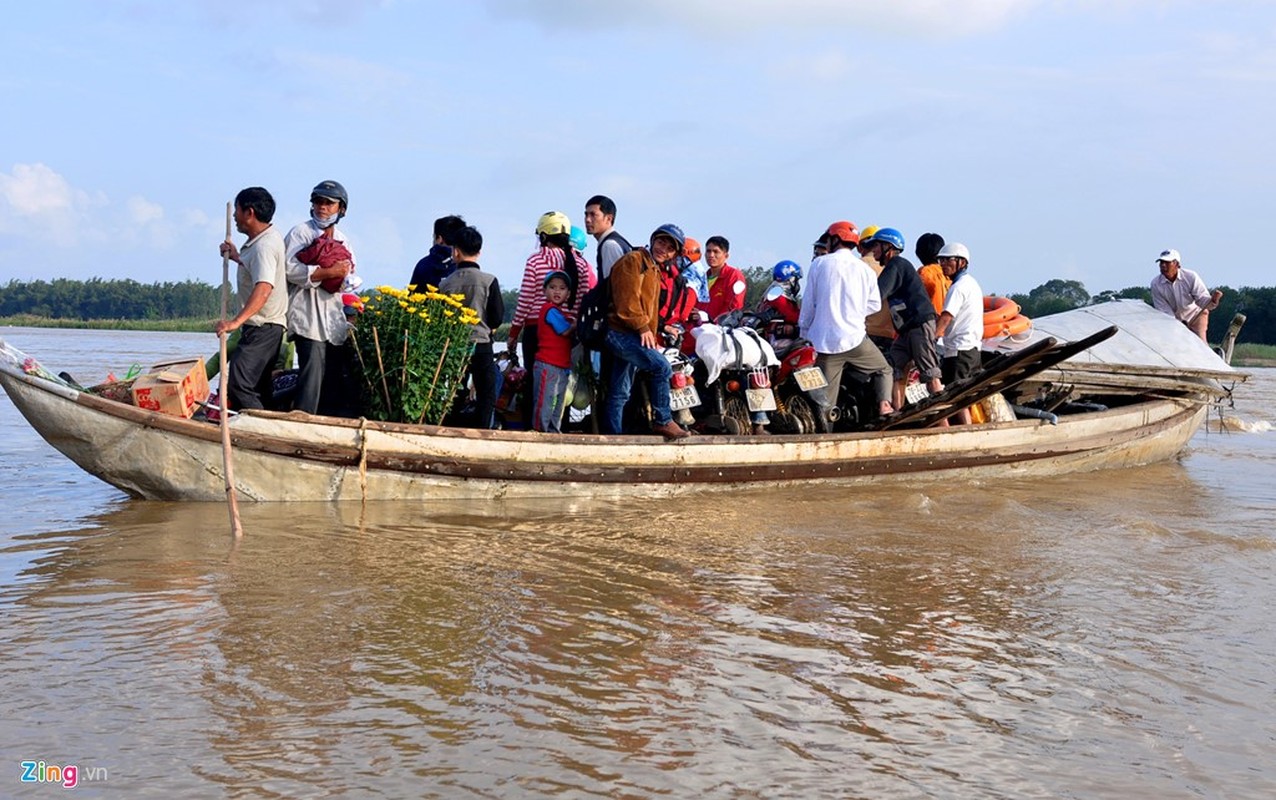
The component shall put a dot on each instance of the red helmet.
(845, 231)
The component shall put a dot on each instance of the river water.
(1101, 635)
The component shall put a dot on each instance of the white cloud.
(40, 206)
(143, 212)
(34, 190)
(37, 202)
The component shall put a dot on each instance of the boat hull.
(296, 457)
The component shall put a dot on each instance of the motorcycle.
(683, 395)
(738, 361)
(801, 387)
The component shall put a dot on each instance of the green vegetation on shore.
(188, 324)
(193, 306)
(1248, 354)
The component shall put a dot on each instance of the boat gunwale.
(547, 469)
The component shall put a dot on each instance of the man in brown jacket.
(633, 331)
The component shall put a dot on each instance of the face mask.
(324, 222)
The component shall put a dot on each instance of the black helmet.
(332, 191)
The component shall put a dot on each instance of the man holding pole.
(263, 296)
(1182, 294)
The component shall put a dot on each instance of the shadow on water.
(994, 640)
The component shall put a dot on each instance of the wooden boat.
(295, 456)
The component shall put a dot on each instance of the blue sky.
(1054, 138)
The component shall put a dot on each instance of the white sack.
(714, 346)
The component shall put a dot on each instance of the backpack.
(591, 325)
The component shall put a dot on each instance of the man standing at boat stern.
(260, 287)
(841, 291)
(316, 315)
(1182, 294)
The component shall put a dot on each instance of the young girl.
(554, 329)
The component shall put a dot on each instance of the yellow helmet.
(868, 232)
(552, 222)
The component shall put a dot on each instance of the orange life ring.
(1012, 327)
(999, 309)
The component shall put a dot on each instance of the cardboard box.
(175, 388)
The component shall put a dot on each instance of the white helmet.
(955, 249)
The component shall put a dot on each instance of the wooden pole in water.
(227, 468)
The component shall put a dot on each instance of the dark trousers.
(483, 371)
(531, 341)
(312, 357)
(342, 378)
(251, 364)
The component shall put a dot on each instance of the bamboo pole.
(232, 500)
(385, 387)
(403, 376)
(363, 368)
(435, 382)
(456, 384)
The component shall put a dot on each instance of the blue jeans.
(630, 355)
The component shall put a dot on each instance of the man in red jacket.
(727, 286)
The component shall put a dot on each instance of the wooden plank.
(996, 376)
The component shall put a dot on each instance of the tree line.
(63, 298)
(98, 299)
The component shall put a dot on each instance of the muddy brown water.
(1099, 635)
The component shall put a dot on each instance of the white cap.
(954, 249)
(1169, 255)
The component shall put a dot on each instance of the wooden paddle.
(231, 499)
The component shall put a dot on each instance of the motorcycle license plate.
(759, 399)
(915, 393)
(685, 397)
(809, 378)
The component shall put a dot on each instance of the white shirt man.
(1182, 294)
(840, 292)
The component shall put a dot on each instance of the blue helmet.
(889, 235)
(786, 271)
(673, 232)
(578, 238)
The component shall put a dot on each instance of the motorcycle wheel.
(803, 413)
(735, 416)
(783, 421)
